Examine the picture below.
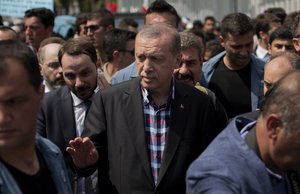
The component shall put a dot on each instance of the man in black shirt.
(235, 75)
(28, 163)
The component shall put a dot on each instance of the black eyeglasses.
(128, 51)
(93, 28)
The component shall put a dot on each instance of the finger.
(76, 142)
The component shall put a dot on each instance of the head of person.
(296, 33)
(98, 23)
(21, 93)
(119, 47)
(161, 11)
(39, 23)
(209, 24)
(212, 48)
(78, 60)
(129, 24)
(197, 25)
(157, 53)
(80, 23)
(289, 19)
(281, 40)
(279, 65)
(278, 127)
(7, 33)
(191, 58)
(278, 11)
(265, 24)
(237, 38)
(48, 60)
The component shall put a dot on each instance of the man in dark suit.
(64, 110)
(151, 128)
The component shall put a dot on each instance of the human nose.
(89, 32)
(183, 69)
(147, 66)
(4, 115)
(283, 48)
(27, 31)
(78, 82)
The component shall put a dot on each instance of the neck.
(24, 159)
(232, 66)
(111, 69)
(160, 97)
(263, 44)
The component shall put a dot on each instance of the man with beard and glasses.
(192, 51)
(64, 110)
(49, 65)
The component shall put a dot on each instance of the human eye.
(85, 73)
(237, 47)
(53, 65)
(191, 63)
(70, 76)
(267, 84)
(141, 57)
(16, 101)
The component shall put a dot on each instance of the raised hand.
(83, 152)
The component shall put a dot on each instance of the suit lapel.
(179, 112)
(133, 111)
(65, 114)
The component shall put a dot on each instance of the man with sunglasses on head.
(119, 49)
(98, 24)
(49, 65)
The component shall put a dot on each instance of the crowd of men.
(156, 109)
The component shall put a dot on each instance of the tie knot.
(87, 104)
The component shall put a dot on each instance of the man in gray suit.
(255, 157)
(151, 128)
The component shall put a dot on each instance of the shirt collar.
(243, 133)
(77, 101)
(261, 52)
(147, 98)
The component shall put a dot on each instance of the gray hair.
(190, 40)
(283, 99)
(292, 57)
(161, 29)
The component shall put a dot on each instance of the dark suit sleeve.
(41, 123)
(215, 123)
(95, 129)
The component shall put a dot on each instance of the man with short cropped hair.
(39, 23)
(28, 162)
(235, 75)
(64, 110)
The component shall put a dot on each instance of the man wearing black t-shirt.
(235, 75)
(28, 163)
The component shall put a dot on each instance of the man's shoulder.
(45, 145)
(125, 74)
(56, 94)
(127, 86)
